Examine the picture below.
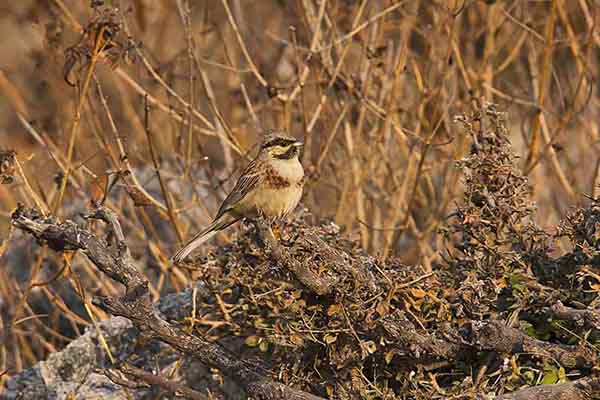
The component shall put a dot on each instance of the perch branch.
(421, 345)
(319, 285)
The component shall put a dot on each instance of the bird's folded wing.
(245, 184)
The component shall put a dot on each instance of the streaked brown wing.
(245, 184)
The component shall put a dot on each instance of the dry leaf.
(263, 346)
(383, 308)
(98, 188)
(139, 198)
(389, 356)
(417, 293)
(333, 309)
(7, 166)
(297, 340)
(370, 346)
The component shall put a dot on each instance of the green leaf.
(252, 341)
(550, 375)
(329, 338)
(529, 376)
(528, 328)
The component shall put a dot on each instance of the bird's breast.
(277, 203)
(281, 189)
(282, 173)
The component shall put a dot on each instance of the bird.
(269, 187)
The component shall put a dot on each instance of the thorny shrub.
(387, 326)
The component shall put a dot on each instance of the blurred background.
(96, 97)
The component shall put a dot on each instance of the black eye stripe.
(291, 152)
(279, 141)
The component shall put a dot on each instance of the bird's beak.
(298, 144)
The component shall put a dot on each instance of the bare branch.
(494, 335)
(319, 285)
(585, 318)
(168, 384)
(581, 389)
(136, 305)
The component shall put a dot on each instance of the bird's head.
(281, 146)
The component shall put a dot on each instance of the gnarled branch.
(136, 305)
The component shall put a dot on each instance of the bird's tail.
(206, 234)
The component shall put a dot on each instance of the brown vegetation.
(436, 255)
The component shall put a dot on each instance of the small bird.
(270, 186)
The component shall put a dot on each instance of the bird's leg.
(262, 226)
(267, 225)
(255, 223)
(275, 228)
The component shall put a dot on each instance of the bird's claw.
(276, 229)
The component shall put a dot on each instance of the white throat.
(290, 169)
